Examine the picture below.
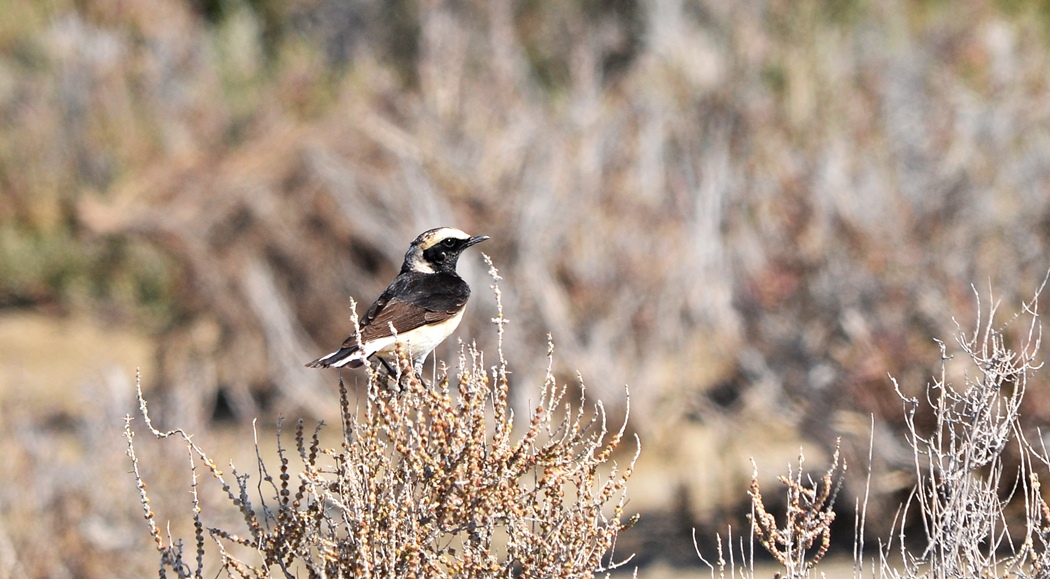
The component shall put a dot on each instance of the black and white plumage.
(419, 309)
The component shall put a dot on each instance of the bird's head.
(438, 250)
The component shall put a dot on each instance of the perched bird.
(419, 309)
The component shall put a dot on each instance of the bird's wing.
(418, 302)
(376, 307)
(404, 316)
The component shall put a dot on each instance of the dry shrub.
(429, 481)
(978, 492)
(807, 522)
(978, 499)
(802, 541)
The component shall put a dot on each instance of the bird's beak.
(475, 240)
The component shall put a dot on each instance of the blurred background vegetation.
(752, 213)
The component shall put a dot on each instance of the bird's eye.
(450, 242)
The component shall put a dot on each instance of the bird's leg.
(391, 374)
(417, 367)
(389, 368)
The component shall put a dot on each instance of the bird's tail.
(352, 357)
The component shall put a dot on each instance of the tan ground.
(44, 359)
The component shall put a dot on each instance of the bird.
(419, 309)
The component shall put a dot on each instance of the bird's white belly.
(419, 342)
